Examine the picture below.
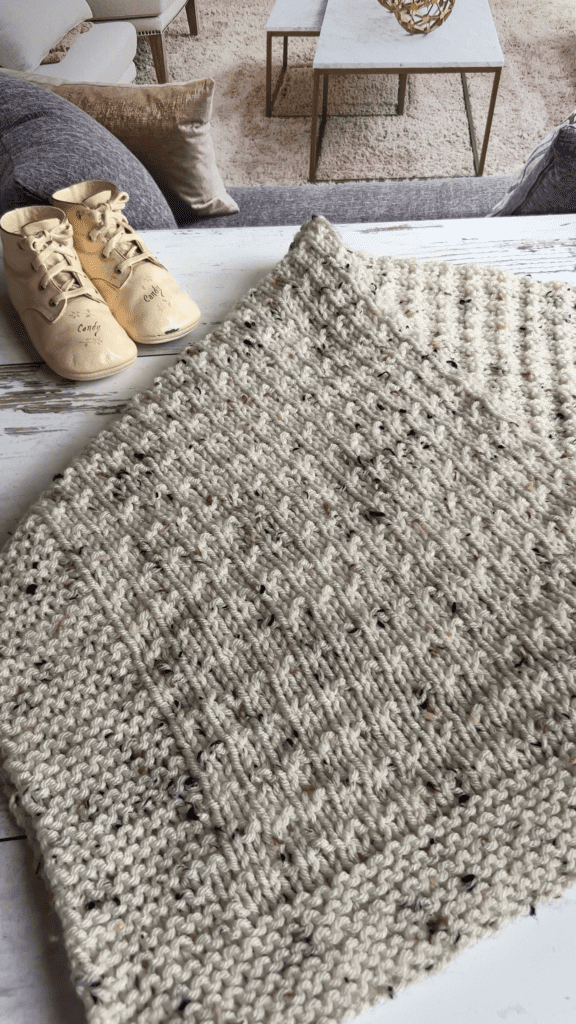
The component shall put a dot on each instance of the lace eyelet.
(41, 288)
(117, 270)
(51, 303)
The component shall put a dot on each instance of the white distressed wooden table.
(523, 974)
(360, 37)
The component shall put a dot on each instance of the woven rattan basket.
(419, 16)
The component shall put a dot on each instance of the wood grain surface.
(525, 972)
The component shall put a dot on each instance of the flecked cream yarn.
(288, 699)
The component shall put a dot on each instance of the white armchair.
(150, 18)
(29, 29)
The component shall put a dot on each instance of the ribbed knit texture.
(287, 700)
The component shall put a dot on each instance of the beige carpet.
(537, 91)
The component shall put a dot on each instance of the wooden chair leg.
(268, 75)
(158, 49)
(191, 15)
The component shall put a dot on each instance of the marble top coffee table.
(362, 37)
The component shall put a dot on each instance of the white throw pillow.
(30, 28)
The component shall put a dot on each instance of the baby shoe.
(140, 292)
(67, 320)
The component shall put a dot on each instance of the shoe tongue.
(36, 226)
(98, 198)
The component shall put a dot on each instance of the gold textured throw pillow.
(166, 126)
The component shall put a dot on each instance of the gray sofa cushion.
(548, 181)
(47, 143)
(357, 202)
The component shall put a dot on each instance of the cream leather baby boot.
(142, 295)
(67, 320)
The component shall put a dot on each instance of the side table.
(365, 39)
(289, 18)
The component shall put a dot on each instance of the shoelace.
(116, 232)
(56, 260)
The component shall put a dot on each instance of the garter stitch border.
(287, 695)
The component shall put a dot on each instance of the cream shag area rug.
(287, 691)
(537, 91)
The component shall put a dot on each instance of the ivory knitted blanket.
(288, 695)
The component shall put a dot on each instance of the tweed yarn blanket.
(288, 695)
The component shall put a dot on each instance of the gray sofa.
(356, 202)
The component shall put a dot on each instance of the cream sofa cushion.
(105, 53)
(30, 28)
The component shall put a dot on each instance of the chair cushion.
(168, 128)
(47, 143)
(547, 183)
(101, 55)
(109, 10)
(151, 24)
(30, 28)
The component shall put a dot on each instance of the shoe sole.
(170, 336)
(98, 375)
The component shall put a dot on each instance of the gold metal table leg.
(324, 102)
(495, 85)
(268, 75)
(271, 99)
(402, 80)
(479, 162)
(314, 127)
